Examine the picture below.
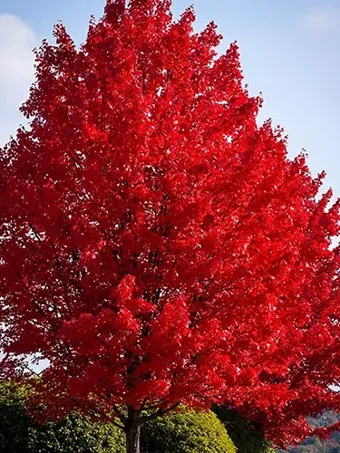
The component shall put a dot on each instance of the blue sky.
(289, 52)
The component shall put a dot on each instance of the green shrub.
(76, 434)
(14, 422)
(186, 431)
(246, 438)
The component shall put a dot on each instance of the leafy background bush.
(77, 434)
(246, 438)
(19, 433)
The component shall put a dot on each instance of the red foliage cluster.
(157, 245)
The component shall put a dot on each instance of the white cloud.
(17, 41)
(323, 18)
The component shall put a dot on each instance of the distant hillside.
(312, 445)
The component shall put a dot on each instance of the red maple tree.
(157, 245)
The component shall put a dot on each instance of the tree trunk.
(132, 431)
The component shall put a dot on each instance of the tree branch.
(159, 413)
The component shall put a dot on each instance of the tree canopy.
(158, 246)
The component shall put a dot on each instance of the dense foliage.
(76, 434)
(186, 432)
(20, 433)
(158, 246)
(14, 423)
(181, 432)
(246, 436)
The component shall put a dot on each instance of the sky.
(289, 52)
